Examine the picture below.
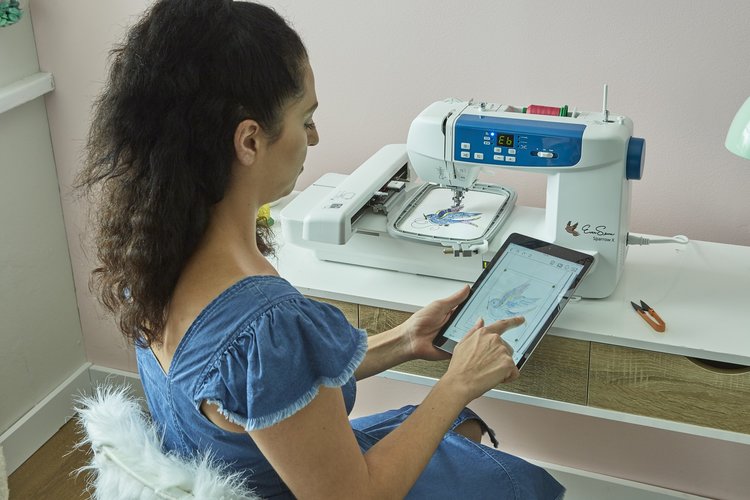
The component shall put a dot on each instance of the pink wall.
(680, 90)
(678, 69)
(73, 40)
(378, 64)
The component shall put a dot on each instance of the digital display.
(523, 282)
(505, 140)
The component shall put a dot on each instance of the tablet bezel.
(445, 344)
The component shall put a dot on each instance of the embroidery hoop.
(456, 236)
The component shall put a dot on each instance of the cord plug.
(635, 239)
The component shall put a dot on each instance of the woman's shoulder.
(265, 285)
(260, 311)
(268, 363)
(245, 299)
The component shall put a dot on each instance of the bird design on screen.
(523, 283)
(514, 302)
(520, 295)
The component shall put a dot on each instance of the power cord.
(634, 239)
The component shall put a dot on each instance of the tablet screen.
(523, 281)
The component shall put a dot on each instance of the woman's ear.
(247, 136)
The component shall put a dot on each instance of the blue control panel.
(493, 140)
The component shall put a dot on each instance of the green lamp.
(738, 137)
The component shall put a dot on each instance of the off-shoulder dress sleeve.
(278, 360)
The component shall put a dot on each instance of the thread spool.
(536, 109)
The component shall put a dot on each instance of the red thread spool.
(536, 109)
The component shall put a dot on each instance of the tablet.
(527, 277)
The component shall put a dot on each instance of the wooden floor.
(50, 472)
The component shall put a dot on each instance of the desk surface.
(701, 290)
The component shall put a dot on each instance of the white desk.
(701, 290)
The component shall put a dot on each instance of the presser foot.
(458, 196)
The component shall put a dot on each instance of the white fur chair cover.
(128, 462)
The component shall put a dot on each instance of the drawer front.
(557, 370)
(378, 319)
(351, 311)
(670, 387)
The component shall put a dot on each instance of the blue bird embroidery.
(449, 216)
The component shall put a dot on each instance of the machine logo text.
(599, 233)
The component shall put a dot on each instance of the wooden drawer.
(351, 311)
(558, 369)
(378, 319)
(669, 387)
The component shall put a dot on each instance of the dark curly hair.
(160, 146)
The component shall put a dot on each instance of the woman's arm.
(410, 340)
(316, 453)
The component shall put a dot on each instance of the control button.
(486, 137)
(487, 143)
(465, 145)
(479, 156)
(545, 154)
(511, 151)
(511, 159)
(465, 154)
(498, 150)
(499, 157)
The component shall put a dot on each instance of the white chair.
(128, 462)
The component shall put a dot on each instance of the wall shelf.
(25, 90)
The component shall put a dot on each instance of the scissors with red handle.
(650, 316)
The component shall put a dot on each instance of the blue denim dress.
(260, 351)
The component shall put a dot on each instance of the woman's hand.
(412, 339)
(423, 325)
(482, 359)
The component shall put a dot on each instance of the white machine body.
(589, 159)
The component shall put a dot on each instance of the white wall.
(40, 332)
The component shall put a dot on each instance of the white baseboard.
(584, 485)
(40, 423)
(110, 376)
(4, 493)
(45, 419)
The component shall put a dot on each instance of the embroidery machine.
(420, 207)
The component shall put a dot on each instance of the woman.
(206, 116)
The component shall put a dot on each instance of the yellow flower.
(264, 214)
